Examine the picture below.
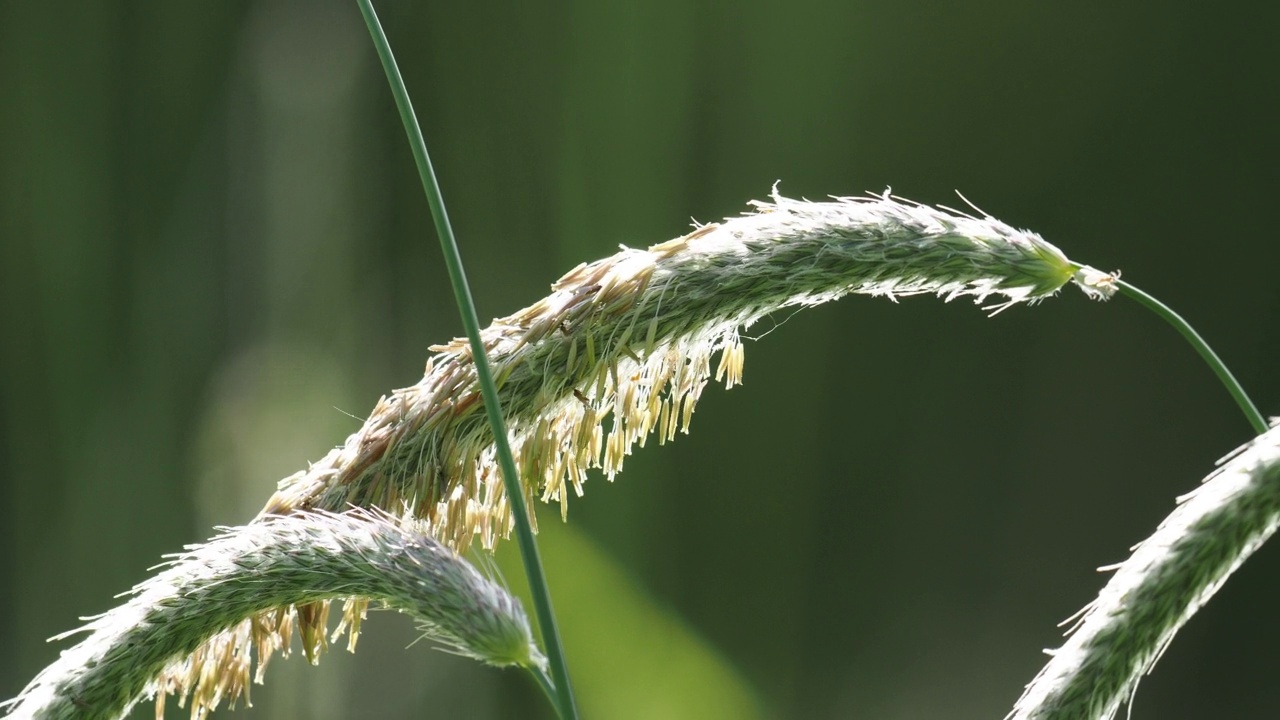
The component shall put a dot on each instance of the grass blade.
(466, 308)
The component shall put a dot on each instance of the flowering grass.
(262, 580)
(1120, 635)
(620, 351)
(622, 348)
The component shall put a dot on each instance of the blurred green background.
(213, 245)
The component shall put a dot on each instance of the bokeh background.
(214, 251)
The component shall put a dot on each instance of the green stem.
(544, 682)
(462, 294)
(1250, 410)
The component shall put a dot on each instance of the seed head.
(191, 630)
(622, 348)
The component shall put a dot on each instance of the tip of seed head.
(1096, 284)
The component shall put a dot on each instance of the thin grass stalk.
(541, 593)
(152, 645)
(1219, 368)
(1120, 635)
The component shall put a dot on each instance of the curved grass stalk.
(145, 647)
(1215, 363)
(1119, 637)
